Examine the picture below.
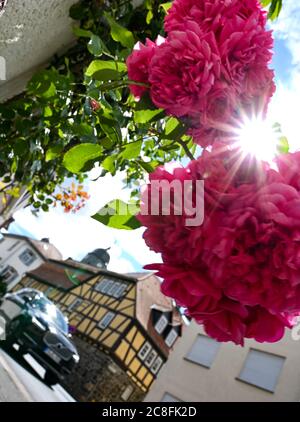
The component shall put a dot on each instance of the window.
(150, 358)
(262, 369)
(106, 286)
(74, 305)
(203, 351)
(171, 337)
(115, 286)
(9, 274)
(106, 320)
(156, 365)
(120, 290)
(127, 393)
(144, 350)
(167, 397)
(102, 285)
(111, 288)
(161, 324)
(27, 257)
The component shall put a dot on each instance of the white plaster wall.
(10, 250)
(190, 382)
(31, 31)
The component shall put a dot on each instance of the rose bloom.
(238, 273)
(210, 14)
(245, 48)
(138, 65)
(183, 71)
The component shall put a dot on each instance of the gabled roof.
(69, 274)
(59, 274)
(45, 250)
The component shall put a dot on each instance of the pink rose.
(183, 70)
(210, 14)
(138, 65)
(238, 273)
(289, 168)
(245, 83)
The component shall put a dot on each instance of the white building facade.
(203, 370)
(19, 254)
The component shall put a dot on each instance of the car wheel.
(12, 332)
(51, 378)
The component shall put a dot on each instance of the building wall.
(98, 379)
(188, 381)
(31, 32)
(10, 251)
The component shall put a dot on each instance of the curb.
(19, 385)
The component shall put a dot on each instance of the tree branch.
(186, 149)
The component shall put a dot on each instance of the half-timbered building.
(124, 327)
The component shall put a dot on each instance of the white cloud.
(77, 234)
(286, 27)
(284, 107)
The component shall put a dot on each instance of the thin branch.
(186, 149)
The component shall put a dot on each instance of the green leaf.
(119, 33)
(149, 167)
(174, 129)
(131, 150)
(48, 112)
(283, 145)
(119, 215)
(53, 152)
(83, 129)
(148, 116)
(77, 157)
(81, 33)
(105, 70)
(149, 17)
(95, 46)
(109, 164)
(111, 128)
(45, 207)
(274, 9)
(166, 6)
(42, 84)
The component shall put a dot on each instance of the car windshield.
(51, 312)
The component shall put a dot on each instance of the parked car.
(39, 328)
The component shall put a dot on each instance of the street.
(21, 381)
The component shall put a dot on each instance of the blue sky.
(75, 235)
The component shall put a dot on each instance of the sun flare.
(257, 137)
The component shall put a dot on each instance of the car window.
(27, 294)
(51, 312)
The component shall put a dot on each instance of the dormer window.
(161, 324)
(171, 337)
(111, 288)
